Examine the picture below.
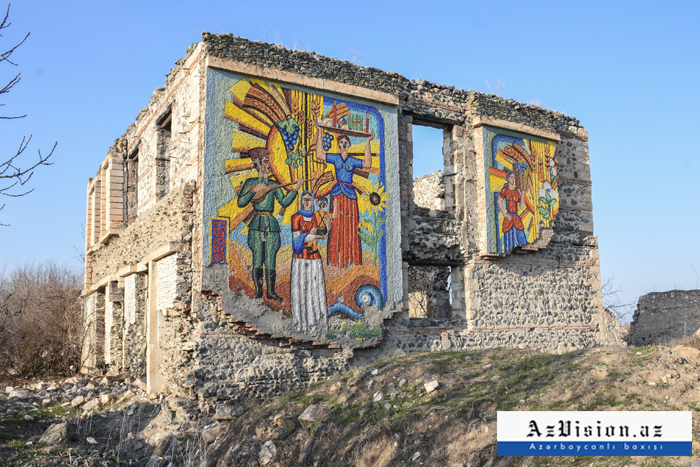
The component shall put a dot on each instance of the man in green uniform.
(263, 230)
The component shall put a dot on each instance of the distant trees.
(15, 171)
(49, 336)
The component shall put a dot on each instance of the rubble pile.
(84, 393)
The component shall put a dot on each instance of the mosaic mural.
(522, 195)
(301, 192)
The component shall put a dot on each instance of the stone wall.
(114, 323)
(429, 191)
(134, 340)
(661, 317)
(235, 367)
(422, 335)
(434, 237)
(173, 217)
(94, 345)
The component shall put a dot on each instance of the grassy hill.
(346, 421)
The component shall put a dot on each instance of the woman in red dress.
(344, 245)
(510, 201)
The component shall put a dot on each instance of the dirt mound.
(384, 414)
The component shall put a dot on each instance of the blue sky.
(628, 73)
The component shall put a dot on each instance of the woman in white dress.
(308, 285)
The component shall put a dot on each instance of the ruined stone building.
(258, 226)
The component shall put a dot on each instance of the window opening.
(431, 149)
(430, 283)
(427, 150)
(429, 292)
(163, 153)
(132, 186)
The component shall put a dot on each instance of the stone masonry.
(150, 314)
(661, 317)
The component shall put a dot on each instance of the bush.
(48, 336)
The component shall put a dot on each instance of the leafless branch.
(611, 299)
(497, 87)
(15, 172)
(12, 173)
(5, 56)
(9, 317)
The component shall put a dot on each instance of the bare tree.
(611, 300)
(41, 319)
(15, 172)
(9, 317)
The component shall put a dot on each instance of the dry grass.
(456, 424)
(692, 341)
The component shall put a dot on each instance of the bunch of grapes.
(290, 140)
(327, 140)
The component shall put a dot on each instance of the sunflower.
(377, 199)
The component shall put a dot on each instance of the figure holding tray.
(344, 246)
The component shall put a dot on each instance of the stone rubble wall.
(661, 317)
(239, 368)
(167, 279)
(93, 347)
(169, 221)
(113, 334)
(430, 336)
(429, 191)
(134, 340)
(434, 237)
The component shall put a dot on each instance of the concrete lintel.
(301, 80)
(142, 266)
(506, 125)
(163, 251)
(126, 271)
(105, 238)
(103, 282)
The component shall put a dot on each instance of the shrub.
(48, 335)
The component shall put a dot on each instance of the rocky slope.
(421, 409)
